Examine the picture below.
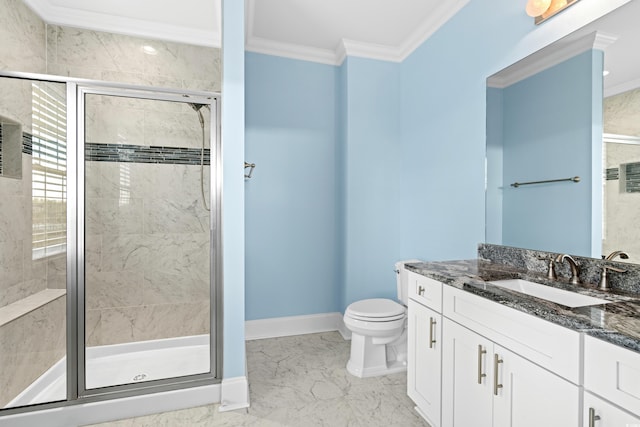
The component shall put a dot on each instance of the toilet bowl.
(378, 332)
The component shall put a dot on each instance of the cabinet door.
(526, 395)
(466, 377)
(424, 361)
(607, 415)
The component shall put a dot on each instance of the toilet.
(378, 331)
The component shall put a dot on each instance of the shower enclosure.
(109, 240)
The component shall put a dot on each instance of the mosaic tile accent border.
(632, 177)
(127, 153)
(27, 143)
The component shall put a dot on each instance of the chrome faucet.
(621, 254)
(572, 264)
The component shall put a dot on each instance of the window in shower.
(147, 239)
(49, 174)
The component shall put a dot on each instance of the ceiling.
(316, 30)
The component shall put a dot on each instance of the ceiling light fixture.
(542, 10)
(149, 50)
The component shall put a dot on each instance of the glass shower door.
(147, 239)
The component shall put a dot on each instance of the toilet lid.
(376, 308)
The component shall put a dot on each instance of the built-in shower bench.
(15, 310)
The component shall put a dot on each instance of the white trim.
(289, 50)
(366, 50)
(234, 394)
(547, 57)
(111, 410)
(346, 47)
(123, 25)
(344, 331)
(293, 325)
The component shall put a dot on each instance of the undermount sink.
(559, 296)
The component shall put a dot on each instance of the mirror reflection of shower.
(197, 108)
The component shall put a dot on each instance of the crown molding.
(123, 25)
(347, 47)
(366, 50)
(548, 57)
(290, 50)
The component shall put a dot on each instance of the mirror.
(545, 122)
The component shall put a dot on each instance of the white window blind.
(49, 174)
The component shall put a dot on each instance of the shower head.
(197, 107)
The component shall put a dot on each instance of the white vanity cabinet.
(424, 356)
(486, 385)
(502, 367)
(612, 385)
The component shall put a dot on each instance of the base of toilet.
(371, 360)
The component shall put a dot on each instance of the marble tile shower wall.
(112, 57)
(147, 252)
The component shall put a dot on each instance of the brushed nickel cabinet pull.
(480, 374)
(496, 362)
(432, 340)
(593, 417)
(420, 290)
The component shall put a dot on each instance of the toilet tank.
(402, 280)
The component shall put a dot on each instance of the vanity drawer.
(551, 346)
(613, 373)
(426, 291)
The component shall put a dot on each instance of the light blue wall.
(547, 134)
(406, 162)
(443, 109)
(292, 247)
(371, 200)
(233, 187)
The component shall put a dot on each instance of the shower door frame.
(76, 378)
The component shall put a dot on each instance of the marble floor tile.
(302, 381)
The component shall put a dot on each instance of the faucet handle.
(604, 283)
(616, 269)
(551, 268)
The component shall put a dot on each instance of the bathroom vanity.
(484, 355)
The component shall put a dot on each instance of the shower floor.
(124, 364)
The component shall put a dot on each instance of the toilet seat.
(376, 310)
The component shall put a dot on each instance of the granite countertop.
(617, 322)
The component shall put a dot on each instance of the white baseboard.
(293, 325)
(234, 394)
(342, 328)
